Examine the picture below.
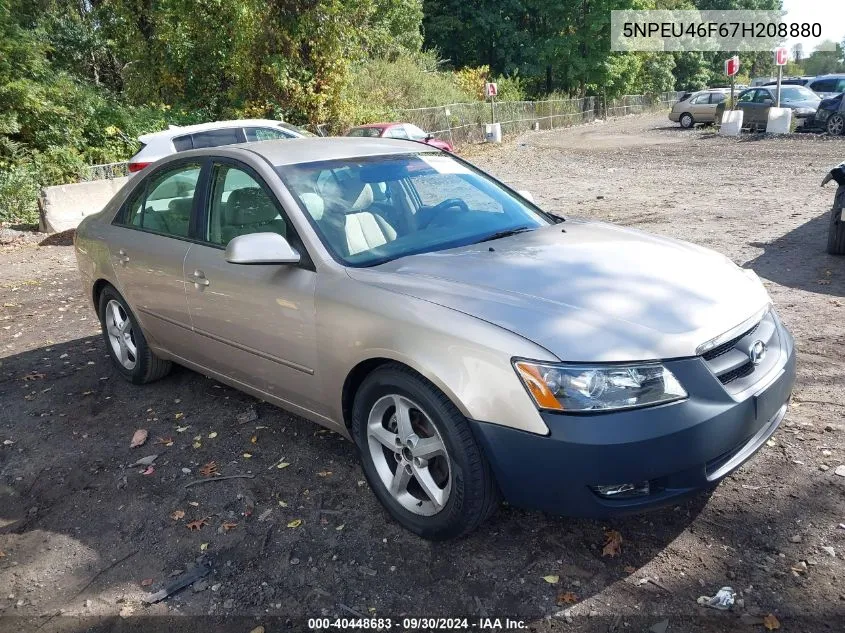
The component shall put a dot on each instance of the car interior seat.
(250, 210)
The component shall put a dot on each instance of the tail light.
(133, 167)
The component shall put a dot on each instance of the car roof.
(368, 125)
(178, 130)
(308, 150)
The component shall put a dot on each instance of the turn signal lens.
(537, 386)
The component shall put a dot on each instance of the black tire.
(836, 125)
(474, 495)
(686, 120)
(147, 367)
(836, 229)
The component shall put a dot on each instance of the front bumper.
(679, 448)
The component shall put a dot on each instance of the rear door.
(256, 322)
(148, 251)
(699, 107)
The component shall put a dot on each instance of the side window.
(169, 200)
(717, 97)
(840, 86)
(239, 206)
(264, 134)
(182, 143)
(132, 215)
(216, 138)
(701, 99)
(762, 96)
(747, 97)
(415, 133)
(396, 131)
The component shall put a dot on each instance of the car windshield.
(798, 93)
(371, 210)
(415, 133)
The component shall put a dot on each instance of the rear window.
(365, 131)
(215, 138)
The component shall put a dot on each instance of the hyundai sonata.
(471, 345)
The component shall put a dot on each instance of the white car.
(180, 138)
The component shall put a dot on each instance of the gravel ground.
(85, 537)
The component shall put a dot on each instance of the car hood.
(585, 291)
(808, 103)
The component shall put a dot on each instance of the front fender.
(466, 358)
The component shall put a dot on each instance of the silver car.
(472, 346)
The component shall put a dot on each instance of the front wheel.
(836, 125)
(686, 120)
(126, 343)
(419, 455)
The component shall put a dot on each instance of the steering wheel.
(450, 203)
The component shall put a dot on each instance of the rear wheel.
(419, 455)
(125, 341)
(836, 125)
(686, 120)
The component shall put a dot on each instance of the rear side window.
(264, 134)
(365, 131)
(700, 99)
(182, 143)
(164, 205)
(716, 97)
(216, 138)
(824, 85)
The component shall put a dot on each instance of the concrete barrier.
(779, 121)
(62, 207)
(731, 123)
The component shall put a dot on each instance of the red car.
(399, 130)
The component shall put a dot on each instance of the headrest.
(250, 206)
(314, 204)
(349, 195)
(181, 206)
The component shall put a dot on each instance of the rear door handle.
(122, 257)
(200, 280)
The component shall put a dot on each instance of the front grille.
(739, 372)
(731, 361)
(724, 348)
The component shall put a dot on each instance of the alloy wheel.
(121, 337)
(836, 125)
(409, 455)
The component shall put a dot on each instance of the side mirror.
(527, 195)
(261, 248)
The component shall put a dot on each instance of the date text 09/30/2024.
(416, 624)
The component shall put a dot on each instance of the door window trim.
(120, 216)
(306, 262)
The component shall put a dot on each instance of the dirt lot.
(85, 538)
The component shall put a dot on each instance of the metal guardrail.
(462, 123)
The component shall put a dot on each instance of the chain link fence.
(464, 123)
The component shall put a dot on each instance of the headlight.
(804, 111)
(561, 387)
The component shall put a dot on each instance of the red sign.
(491, 89)
(781, 56)
(732, 66)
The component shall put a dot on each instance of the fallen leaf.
(87, 393)
(180, 415)
(209, 470)
(203, 547)
(771, 622)
(254, 439)
(33, 376)
(138, 438)
(193, 503)
(228, 525)
(340, 527)
(165, 441)
(247, 455)
(177, 514)
(198, 524)
(612, 543)
(146, 582)
(282, 465)
(182, 429)
(2, 554)
(284, 504)
(295, 523)
(146, 461)
(567, 597)
(197, 444)
(324, 473)
(257, 629)
(212, 435)
(552, 580)
(148, 471)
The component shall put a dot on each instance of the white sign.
(491, 89)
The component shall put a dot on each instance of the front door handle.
(122, 257)
(199, 279)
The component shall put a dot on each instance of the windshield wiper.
(506, 233)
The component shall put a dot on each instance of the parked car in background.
(698, 107)
(407, 131)
(470, 344)
(828, 85)
(180, 138)
(831, 115)
(755, 104)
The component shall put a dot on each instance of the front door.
(148, 248)
(256, 323)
